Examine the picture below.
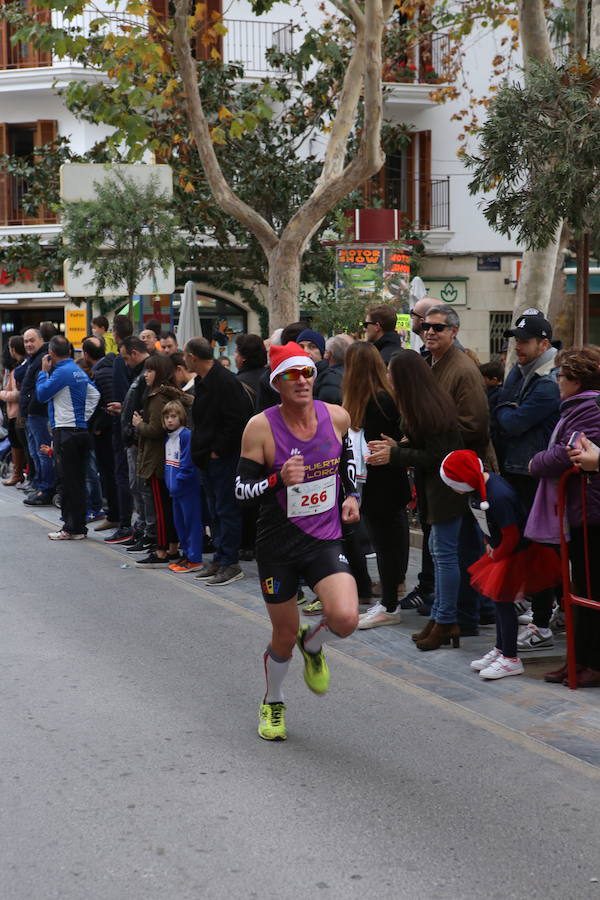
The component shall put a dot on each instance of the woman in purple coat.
(579, 384)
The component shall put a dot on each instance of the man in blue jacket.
(527, 407)
(523, 421)
(72, 400)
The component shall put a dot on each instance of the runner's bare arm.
(252, 482)
(341, 424)
(340, 419)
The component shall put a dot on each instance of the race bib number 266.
(311, 497)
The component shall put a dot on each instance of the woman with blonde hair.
(368, 398)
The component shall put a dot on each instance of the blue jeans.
(93, 491)
(38, 434)
(218, 484)
(443, 545)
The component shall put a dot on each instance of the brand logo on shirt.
(342, 558)
(270, 587)
(294, 452)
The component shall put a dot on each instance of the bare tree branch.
(223, 194)
(534, 30)
(351, 9)
(369, 157)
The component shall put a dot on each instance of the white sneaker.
(378, 615)
(502, 667)
(478, 664)
(534, 638)
(557, 619)
(526, 618)
(65, 536)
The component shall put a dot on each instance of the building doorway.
(15, 319)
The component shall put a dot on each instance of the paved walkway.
(568, 721)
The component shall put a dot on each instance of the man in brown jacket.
(459, 375)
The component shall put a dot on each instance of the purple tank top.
(313, 505)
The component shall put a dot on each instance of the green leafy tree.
(129, 231)
(152, 80)
(540, 154)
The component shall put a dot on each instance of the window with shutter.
(3, 42)
(45, 133)
(23, 55)
(20, 140)
(404, 181)
(204, 47)
(424, 179)
(4, 178)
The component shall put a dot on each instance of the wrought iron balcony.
(246, 42)
(420, 203)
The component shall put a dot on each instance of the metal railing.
(427, 60)
(16, 187)
(245, 43)
(425, 202)
(440, 203)
(439, 54)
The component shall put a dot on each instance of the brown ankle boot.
(18, 460)
(441, 634)
(421, 635)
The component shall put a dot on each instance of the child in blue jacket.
(183, 483)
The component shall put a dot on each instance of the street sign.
(83, 285)
(77, 183)
(452, 291)
(375, 269)
(77, 179)
(76, 326)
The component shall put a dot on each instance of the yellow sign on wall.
(76, 326)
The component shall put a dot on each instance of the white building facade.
(466, 264)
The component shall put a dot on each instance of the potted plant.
(430, 76)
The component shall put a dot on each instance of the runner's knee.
(284, 639)
(344, 622)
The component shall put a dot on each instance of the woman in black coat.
(250, 358)
(386, 493)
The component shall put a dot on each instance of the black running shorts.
(279, 579)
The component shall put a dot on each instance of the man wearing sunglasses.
(461, 378)
(417, 320)
(380, 329)
(296, 461)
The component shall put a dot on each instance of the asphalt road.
(131, 768)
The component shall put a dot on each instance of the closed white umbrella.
(189, 320)
(417, 290)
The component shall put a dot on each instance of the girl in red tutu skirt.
(511, 565)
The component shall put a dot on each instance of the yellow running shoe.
(314, 608)
(271, 722)
(316, 670)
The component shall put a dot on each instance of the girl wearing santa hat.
(511, 565)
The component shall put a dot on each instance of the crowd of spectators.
(142, 438)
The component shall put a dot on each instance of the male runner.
(294, 458)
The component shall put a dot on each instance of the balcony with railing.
(246, 42)
(13, 189)
(426, 61)
(422, 204)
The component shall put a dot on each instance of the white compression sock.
(275, 671)
(319, 635)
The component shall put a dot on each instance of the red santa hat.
(462, 470)
(289, 356)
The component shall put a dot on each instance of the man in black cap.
(527, 407)
(524, 418)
